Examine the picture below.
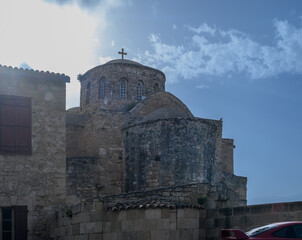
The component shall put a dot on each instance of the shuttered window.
(6, 222)
(13, 223)
(15, 124)
(20, 222)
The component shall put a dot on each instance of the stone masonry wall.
(75, 142)
(83, 177)
(227, 155)
(37, 180)
(169, 152)
(97, 137)
(249, 217)
(91, 221)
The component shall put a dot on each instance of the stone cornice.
(34, 73)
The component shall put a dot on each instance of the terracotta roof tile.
(150, 203)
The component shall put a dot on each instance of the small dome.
(123, 61)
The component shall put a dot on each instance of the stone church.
(130, 147)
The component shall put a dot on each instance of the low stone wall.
(249, 217)
(92, 221)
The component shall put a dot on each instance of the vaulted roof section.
(161, 105)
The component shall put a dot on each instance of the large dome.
(123, 61)
(118, 83)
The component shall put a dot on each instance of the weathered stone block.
(80, 218)
(128, 226)
(180, 213)
(185, 234)
(135, 214)
(76, 229)
(121, 216)
(159, 235)
(153, 213)
(187, 223)
(106, 226)
(91, 227)
(95, 236)
(191, 213)
(110, 236)
(153, 224)
(165, 213)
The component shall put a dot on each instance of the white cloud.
(112, 43)
(232, 52)
(103, 60)
(174, 27)
(204, 28)
(50, 37)
(202, 86)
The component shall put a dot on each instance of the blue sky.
(240, 60)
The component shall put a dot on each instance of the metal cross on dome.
(123, 53)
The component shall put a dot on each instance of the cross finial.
(123, 53)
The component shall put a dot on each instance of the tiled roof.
(150, 203)
(34, 73)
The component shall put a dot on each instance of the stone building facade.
(32, 151)
(128, 143)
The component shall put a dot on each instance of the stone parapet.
(92, 221)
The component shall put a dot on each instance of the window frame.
(123, 89)
(139, 91)
(15, 120)
(102, 88)
(5, 220)
(88, 93)
(156, 87)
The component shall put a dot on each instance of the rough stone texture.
(168, 223)
(160, 105)
(169, 152)
(154, 149)
(100, 137)
(227, 155)
(83, 179)
(113, 72)
(37, 180)
(137, 146)
(91, 221)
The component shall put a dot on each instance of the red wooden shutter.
(20, 218)
(15, 124)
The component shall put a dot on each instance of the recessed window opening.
(102, 88)
(139, 91)
(88, 94)
(156, 88)
(123, 89)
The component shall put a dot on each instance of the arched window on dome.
(123, 89)
(102, 87)
(87, 93)
(156, 88)
(139, 91)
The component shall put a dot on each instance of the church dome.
(118, 83)
(123, 61)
